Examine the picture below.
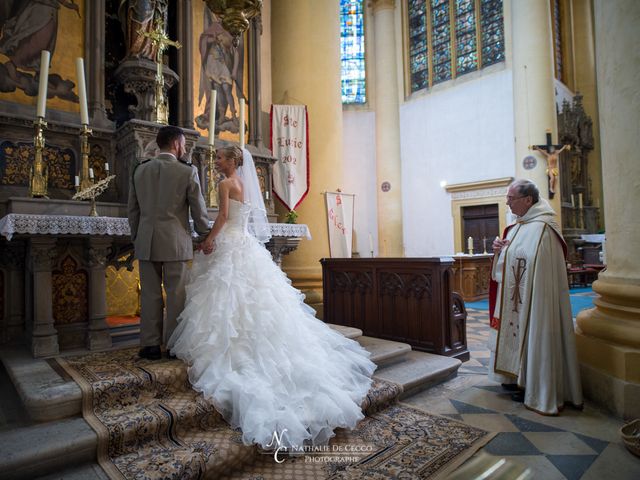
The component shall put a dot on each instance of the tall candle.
(470, 243)
(77, 184)
(82, 91)
(241, 122)
(580, 200)
(573, 202)
(106, 167)
(212, 116)
(44, 80)
(91, 173)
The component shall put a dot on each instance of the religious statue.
(26, 28)
(552, 164)
(138, 17)
(222, 70)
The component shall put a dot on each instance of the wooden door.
(480, 221)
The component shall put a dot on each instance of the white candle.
(159, 68)
(580, 200)
(106, 167)
(470, 243)
(212, 116)
(370, 242)
(82, 91)
(573, 202)
(44, 80)
(91, 173)
(241, 122)
(77, 184)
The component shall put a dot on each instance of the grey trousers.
(152, 276)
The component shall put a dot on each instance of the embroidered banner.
(290, 145)
(340, 220)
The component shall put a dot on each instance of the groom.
(161, 191)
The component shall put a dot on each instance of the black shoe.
(150, 353)
(170, 355)
(510, 387)
(518, 397)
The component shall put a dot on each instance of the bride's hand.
(208, 246)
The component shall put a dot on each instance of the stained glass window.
(352, 51)
(557, 39)
(448, 38)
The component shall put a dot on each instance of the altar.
(55, 273)
(471, 275)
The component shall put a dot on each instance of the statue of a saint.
(141, 16)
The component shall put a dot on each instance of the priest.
(530, 307)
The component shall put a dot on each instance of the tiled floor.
(575, 445)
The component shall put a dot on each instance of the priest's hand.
(498, 245)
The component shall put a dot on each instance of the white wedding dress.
(257, 351)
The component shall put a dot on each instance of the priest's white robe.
(536, 342)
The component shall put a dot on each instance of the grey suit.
(161, 192)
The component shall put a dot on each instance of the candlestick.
(39, 173)
(241, 122)
(85, 172)
(470, 245)
(484, 245)
(45, 56)
(82, 91)
(212, 190)
(212, 116)
(580, 200)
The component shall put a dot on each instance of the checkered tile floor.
(575, 445)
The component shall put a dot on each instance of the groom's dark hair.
(167, 135)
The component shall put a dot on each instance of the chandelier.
(235, 15)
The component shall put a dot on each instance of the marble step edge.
(384, 352)
(37, 450)
(419, 371)
(349, 332)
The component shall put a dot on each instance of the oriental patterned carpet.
(152, 425)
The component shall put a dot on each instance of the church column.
(95, 48)
(185, 64)
(44, 336)
(306, 69)
(388, 174)
(585, 83)
(255, 97)
(608, 339)
(98, 335)
(533, 89)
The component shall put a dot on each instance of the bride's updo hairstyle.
(234, 153)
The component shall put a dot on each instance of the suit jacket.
(161, 191)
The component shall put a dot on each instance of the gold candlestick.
(85, 180)
(92, 192)
(39, 173)
(212, 189)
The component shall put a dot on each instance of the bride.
(253, 347)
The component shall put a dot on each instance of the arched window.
(352, 51)
(448, 38)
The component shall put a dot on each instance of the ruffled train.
(259, 354)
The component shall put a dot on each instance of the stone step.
(37, 450)
(349, 332)
(88, 471)
(384, 352)
(419, 371)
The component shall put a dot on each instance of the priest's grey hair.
(527, 188)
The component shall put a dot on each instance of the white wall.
(359, 147)
(460, 132)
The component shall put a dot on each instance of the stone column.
(98, 335)
(185, 64)
(585, 83)
(533, 89)
(44, 336)
(306, 69)
(609, 335)
(255, 96)
(388, 174)
(94, 38)
(12, 260)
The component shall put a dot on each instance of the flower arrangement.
(291, 217)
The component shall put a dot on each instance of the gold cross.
(518, 274)
(160, 39)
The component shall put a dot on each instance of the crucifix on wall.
(551, 153)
